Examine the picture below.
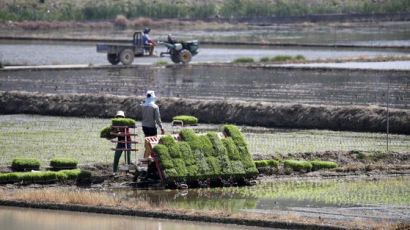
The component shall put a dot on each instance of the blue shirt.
(145, 39)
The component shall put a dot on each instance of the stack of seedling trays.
(122, 124)
(203, 160)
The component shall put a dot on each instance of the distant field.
(47, 137)
(76, 10)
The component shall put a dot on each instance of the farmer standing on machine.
(150, 115)
(121, 145)
(148, 43)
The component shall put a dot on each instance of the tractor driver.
(148, 43)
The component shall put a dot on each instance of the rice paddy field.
(47, 137)
(383, 198)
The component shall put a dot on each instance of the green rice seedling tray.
(189, 157)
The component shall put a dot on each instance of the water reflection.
(37, 219)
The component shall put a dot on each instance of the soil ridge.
(266, 114)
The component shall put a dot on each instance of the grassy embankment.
(68, 10)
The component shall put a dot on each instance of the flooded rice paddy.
(48, 137)
(60, 53)
(12, 218)
(306, 86)
(383, 198)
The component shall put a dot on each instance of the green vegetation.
(24, 164)
(316, 165)
(66, 163)
(161, 63)
(298, 165)
(191, 120)
(1, 65)
(123, 122)
(264, 59)
(44, 177)
(106, 132)
(204, 156)
(243, 60)
(267, 163)
(299, 57)
(76, 10)
(282, 58)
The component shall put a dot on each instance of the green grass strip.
(243, 60)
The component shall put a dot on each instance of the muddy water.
(334, 87)
(53, 53)
(36, 219)
(380, 198)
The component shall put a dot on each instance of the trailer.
(125, 53)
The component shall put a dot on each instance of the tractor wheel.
(175, 57)
(113, 58)
(185, 56)
(127, 57)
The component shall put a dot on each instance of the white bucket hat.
(150, 94)
(120, 114)
(150, 97)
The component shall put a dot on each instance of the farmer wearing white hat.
(150, 115)
(121, 144)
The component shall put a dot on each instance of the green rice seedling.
(298, 165)
(71, 174)
(61, 176)
(243, 60)
(273, 163)
(207, 147)
(300, 57)
(361, 156)
(264, 59)
(241, 145)
(231, 149)
(24, 164)
(282, 58)
(27, 178)
(63, 163)
(186, 153)
(165, 160)
(316, 165)
(216, 143)
(123, 122)
(172, 146)
(13, 177)
(189, 120)
(4, 178)
(49, 176)
(261, 164)
(106, 132)
(83, 175)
